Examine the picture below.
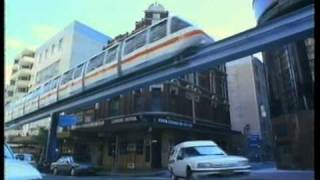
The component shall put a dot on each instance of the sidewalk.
(263, 165)
(135, 173)
(256, 166)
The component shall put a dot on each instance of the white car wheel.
(173, 177)
(55, 171)
(73, 172)
(189, 175)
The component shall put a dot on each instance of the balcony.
(15, 67)
(24, 71)
(10, 88)
(26, 61)
(19, 94)
(22, 83)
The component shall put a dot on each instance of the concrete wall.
(242, 96)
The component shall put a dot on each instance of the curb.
(155, 174)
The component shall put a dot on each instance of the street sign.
(254, 141)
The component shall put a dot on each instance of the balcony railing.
(26, 60)
(22, 83)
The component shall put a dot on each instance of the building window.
(10, 93)
(46, 55)
(115, 106)
(39, 57)
(52, 49)
(123, 148)
(156, 99)
(12, 82)
(89, 115)
(60, 44)
(111, 148)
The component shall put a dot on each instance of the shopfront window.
(115, 106)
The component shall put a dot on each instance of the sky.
(29, 24)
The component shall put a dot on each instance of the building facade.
(249, 106)
(75, 44)
(290, 70)
(21, 75)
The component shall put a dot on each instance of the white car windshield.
(202, 151)
(8, 152)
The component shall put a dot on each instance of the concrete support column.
(51, 153)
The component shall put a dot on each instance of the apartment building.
(21, 75)
(75, 44)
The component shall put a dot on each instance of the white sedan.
(192, 159)
(18, 170)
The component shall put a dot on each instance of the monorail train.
(150, 46)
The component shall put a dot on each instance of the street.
(255, 175)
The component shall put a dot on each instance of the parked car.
(27, 158)
(192, 159)
(72, 165)
(16, 169)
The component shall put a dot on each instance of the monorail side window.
(129, 46)
(67, 77)
(55, 83)
(95, 62)
(112, 52)
(135, 42)
(178, 24)
(140, 39)
(78, 71)
(159, 31)
(46, 87)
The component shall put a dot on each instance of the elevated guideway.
(280, 31)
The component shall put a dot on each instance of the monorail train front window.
(95, 62)
(178, 24)
(111, 54)
(158, 31)
(77, 71)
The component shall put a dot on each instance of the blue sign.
(67, 120)
(254, 141)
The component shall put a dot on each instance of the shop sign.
(124, 120)
(175, 122)
(87, 125)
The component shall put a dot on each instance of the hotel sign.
(124, 120)
(88, 125)
(175, 122)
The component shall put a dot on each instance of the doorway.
(156, 151)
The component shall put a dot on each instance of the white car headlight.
(204, 165)
(243, 163)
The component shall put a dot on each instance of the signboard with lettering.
(124, 120)
(254, 141)
(179, 123)
(88, 125)
(67, 120)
